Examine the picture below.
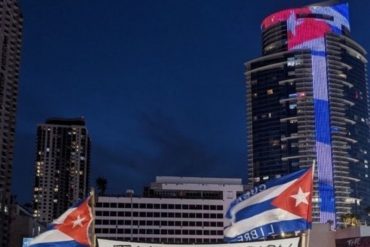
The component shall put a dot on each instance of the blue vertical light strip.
(323, 136)
(322, 128)
(323, 143)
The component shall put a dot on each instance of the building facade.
(171, 210)
(307, 100)
(62, 167)
(11, 23)
(23, 225)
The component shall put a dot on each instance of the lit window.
(292, 106)
(291, 62)
(275, 143)
(270, 91)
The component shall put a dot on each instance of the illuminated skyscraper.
(307, 99)
(62, 166)
(10, 49)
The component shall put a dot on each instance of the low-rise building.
(171, 210)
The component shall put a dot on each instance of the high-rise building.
(307, 99)
(11, 23)
(62, 167)
(171, 210)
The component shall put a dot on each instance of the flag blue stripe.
(342, 9)
(322, 121)
(269, 184)
(59, 244)
(254, 210)
(335, 29)
(318, 53)
(286, 179)
(271, 229)
(326, 191)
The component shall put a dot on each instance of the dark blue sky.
(160, 83)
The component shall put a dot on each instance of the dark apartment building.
(62, 166)
(11, 23)
(307, 99)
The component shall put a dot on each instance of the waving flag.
(278, 206)
(70, 229)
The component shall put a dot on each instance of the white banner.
(288, 242)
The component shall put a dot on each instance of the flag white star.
(300, 197)
(78, 221)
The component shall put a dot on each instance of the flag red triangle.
(297, 198)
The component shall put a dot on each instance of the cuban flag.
(70, 229)
(276, 207)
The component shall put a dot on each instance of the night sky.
(160, 83)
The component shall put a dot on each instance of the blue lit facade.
(307, 99)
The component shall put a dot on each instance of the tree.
(350, 219)
(101, 185)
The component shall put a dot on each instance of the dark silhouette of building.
(62, 167)
(23, 225)
(307, 99)
(10, 48)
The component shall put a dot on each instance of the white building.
(171, 210)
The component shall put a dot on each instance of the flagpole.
(92, 203)
(313, 181)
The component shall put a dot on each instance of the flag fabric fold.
(70, 229)
(278, 206)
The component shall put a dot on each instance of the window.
(270, 91)
(292, 106)
(290, 62)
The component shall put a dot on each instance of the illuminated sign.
(353, 242)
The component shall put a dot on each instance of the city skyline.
(165, 87)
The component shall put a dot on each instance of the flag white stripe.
(61, 218)
(261, 196)
(313, 44)
(339, 19)
(51, 236)
(267, 217)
